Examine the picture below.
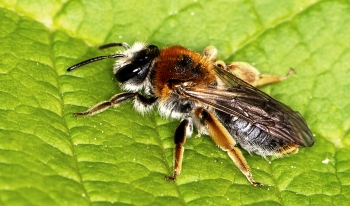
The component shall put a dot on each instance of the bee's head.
(133, 65)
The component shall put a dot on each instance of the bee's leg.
(184, 130)
(224, 140)
(252, 76)
(114, 101)
(210, 52)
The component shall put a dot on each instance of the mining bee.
(219, 100)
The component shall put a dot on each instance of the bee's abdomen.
(249, 137)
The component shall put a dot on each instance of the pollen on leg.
(286, 149)
(210, 52)
(245, 71)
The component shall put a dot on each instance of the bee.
(219, 100)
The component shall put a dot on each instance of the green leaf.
(48, 157)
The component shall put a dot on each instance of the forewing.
(246, 102)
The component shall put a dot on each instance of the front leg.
(184, 130)
(115, 101)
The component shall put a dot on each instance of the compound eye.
(127, 72)
(141, 57)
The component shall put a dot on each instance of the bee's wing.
(246, 102)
